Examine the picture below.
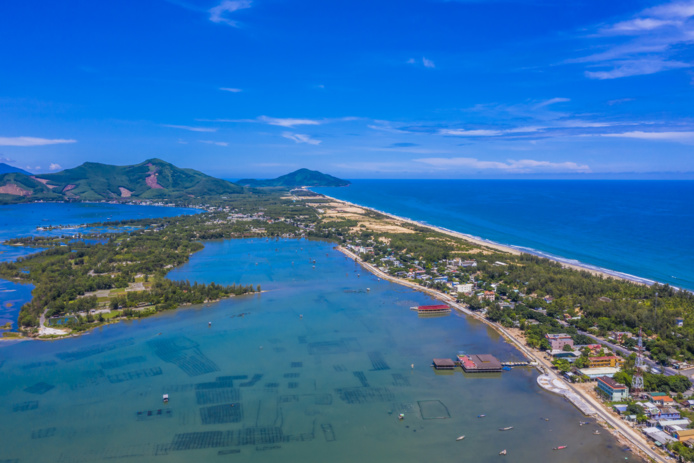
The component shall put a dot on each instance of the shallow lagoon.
(19, 220)
(316, 367)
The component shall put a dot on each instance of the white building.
(464, 288)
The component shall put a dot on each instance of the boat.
(481, 416)
(561, 447)
(461, 438)
(581, 423)
(596, 432)
(503, 452)
(165, 397)
(508, 428)
(401, 416)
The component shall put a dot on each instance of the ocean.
(643, 229)
(316, 368)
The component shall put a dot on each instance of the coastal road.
(666, 370)
(625, 430)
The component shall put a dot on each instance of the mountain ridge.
(152, 179)
(298, 178)
(8, 169)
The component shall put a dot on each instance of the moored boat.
(503, 452)
(461, 438)
(561, 447)
(508, 428)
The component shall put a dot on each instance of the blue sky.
(360, 89)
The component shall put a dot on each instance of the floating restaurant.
(428, 310)
(480, 363)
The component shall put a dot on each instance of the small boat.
(401, 416)
(508, 428)
(596, 432)
(581, 423)
(461, 438)
(481, 416)
(165, 397)
(503, 452)
(561, 447)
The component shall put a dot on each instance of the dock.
(428, 310)
(479, 363)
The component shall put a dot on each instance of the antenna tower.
(637, 380)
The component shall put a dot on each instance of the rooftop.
(611, 382)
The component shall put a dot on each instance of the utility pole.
(637, 380)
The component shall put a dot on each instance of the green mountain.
(7, 169)
(151, 180)
(301, 177)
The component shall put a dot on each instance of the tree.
(562, 365)
(567, 348)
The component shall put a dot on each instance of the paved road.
(666, 370)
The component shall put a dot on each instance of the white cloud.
(192, 129)
(662, 136)
(232, 90)
(32, 141)
(630, 68)
(518, 166)
(427, 63)
(217, 143)
(219, 13)
(470, 133)
(651, 42)
(54, 166)
(287, 122)
(5, 159)
(301, 138)
(551, 101)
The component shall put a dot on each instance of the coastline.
(581, 399)
(514, 250)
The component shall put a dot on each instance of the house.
(684, 434)
(658, 435)
(679, 321)
(669, 424)
(621, 409)
(558, 341)
(662, 399)
(594, 373)
(440, 279)
(607, 361)
(486, 296)
(548, 299)
(611, 389)
(666, 413)
(464, 288)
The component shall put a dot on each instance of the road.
(666, 370)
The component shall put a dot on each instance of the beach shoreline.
(514, 250)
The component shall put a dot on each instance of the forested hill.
(301, 177)
(153, 179)
(6, 169)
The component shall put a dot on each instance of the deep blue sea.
(640, 228)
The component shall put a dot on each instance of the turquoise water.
(19, 220)
(317, 368)
(640, 228)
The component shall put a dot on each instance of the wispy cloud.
(287, 122)
(470, 133)
(189, 128)
(32, 141)
(301, 138)
(220, 13)
(217, 143)
(55, 166)
(231, 89)
(515, 166)
(658, 136)
(427, 63)
(648, 43)
(551, 101)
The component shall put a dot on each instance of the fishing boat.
(461, 438)
(508, 428)
(481, 416)
(503, 452)
(581, 423)
(165, 398)
(596, 432)
(561, 447)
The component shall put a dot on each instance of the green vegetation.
(153, 179)
(301, 177)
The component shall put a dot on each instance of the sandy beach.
(349, 208)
